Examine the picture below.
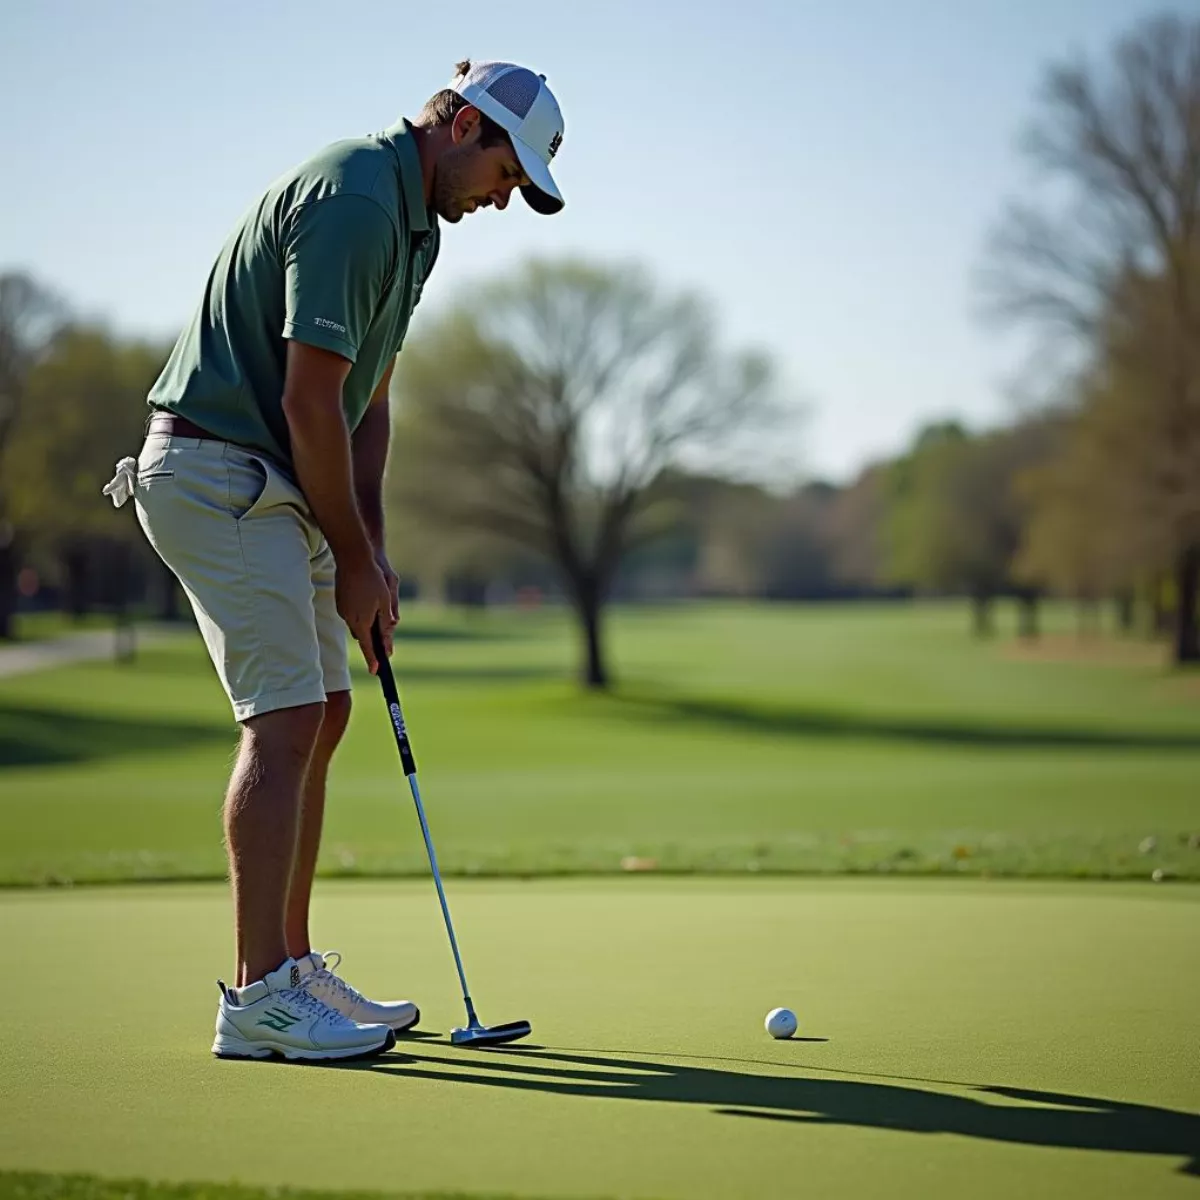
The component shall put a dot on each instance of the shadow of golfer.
(1048, 1119)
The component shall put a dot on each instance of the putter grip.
(388, 682)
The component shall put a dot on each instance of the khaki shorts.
(239, 536)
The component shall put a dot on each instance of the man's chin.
(449, 212)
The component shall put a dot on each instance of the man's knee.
(335, 720)
(287, 734)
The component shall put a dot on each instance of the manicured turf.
(36, 626)
(739, 738)
(983, 1039)
(43, 1185)
(1045, 1032)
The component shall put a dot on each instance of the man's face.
(469, 176)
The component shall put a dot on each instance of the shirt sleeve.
(337, 256)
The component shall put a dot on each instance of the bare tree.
(546, 406)
(1122, 143)
(29, 317)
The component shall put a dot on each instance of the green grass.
(40, 626)
(31, 1185)
(975, 1038)
(738, 738)
(982, 1037)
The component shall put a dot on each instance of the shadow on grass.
(1046, 1119)
(417, 632)
(828, 723)
(44, 736)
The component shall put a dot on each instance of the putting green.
(971, 1038)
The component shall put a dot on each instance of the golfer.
(260, 486)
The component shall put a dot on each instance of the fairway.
(966, 1038)
(960, 1034)
(743, 738)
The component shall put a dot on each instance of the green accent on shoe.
(278, 1019)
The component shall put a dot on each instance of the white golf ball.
(781, 1022)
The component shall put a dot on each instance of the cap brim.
(541, 193)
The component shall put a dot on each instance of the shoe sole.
(405, 1028)
(238, 1048)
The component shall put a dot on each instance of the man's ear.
(465, 127)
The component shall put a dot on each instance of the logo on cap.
(555, 142)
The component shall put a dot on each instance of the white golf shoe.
(318, 977)
(277, 1016)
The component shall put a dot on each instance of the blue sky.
(825, 173)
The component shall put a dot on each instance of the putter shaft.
(441, 891)
(474, 1033)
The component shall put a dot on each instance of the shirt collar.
(402, 139)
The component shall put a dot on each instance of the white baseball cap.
(525, 108)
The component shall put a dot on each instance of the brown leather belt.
(171, 425)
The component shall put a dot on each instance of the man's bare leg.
(262, 820)
(398, 1014)
(337, 716)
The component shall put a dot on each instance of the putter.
(474, 1033)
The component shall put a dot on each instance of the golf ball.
(781, 1022)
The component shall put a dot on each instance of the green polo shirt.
(334, 254)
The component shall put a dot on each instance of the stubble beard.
(448, 186)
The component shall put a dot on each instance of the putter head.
(490, 1035)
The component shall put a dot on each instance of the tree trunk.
(1187, 577)
(588, 605)
(77, 601)
(1125, 602)
(981, 609)
(1027, 615)
(8, 581)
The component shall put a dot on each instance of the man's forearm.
(369, 451)
(322, 456)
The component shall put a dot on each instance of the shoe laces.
(326, 977)
(303, 999)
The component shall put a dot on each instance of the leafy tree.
(88, 392)
(855, 528)
(956, 515)
(29, 316)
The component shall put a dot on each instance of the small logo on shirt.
(329, 324)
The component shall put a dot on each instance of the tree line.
(575, 428)
(486, 500)
(72, 402)
(565, 410)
